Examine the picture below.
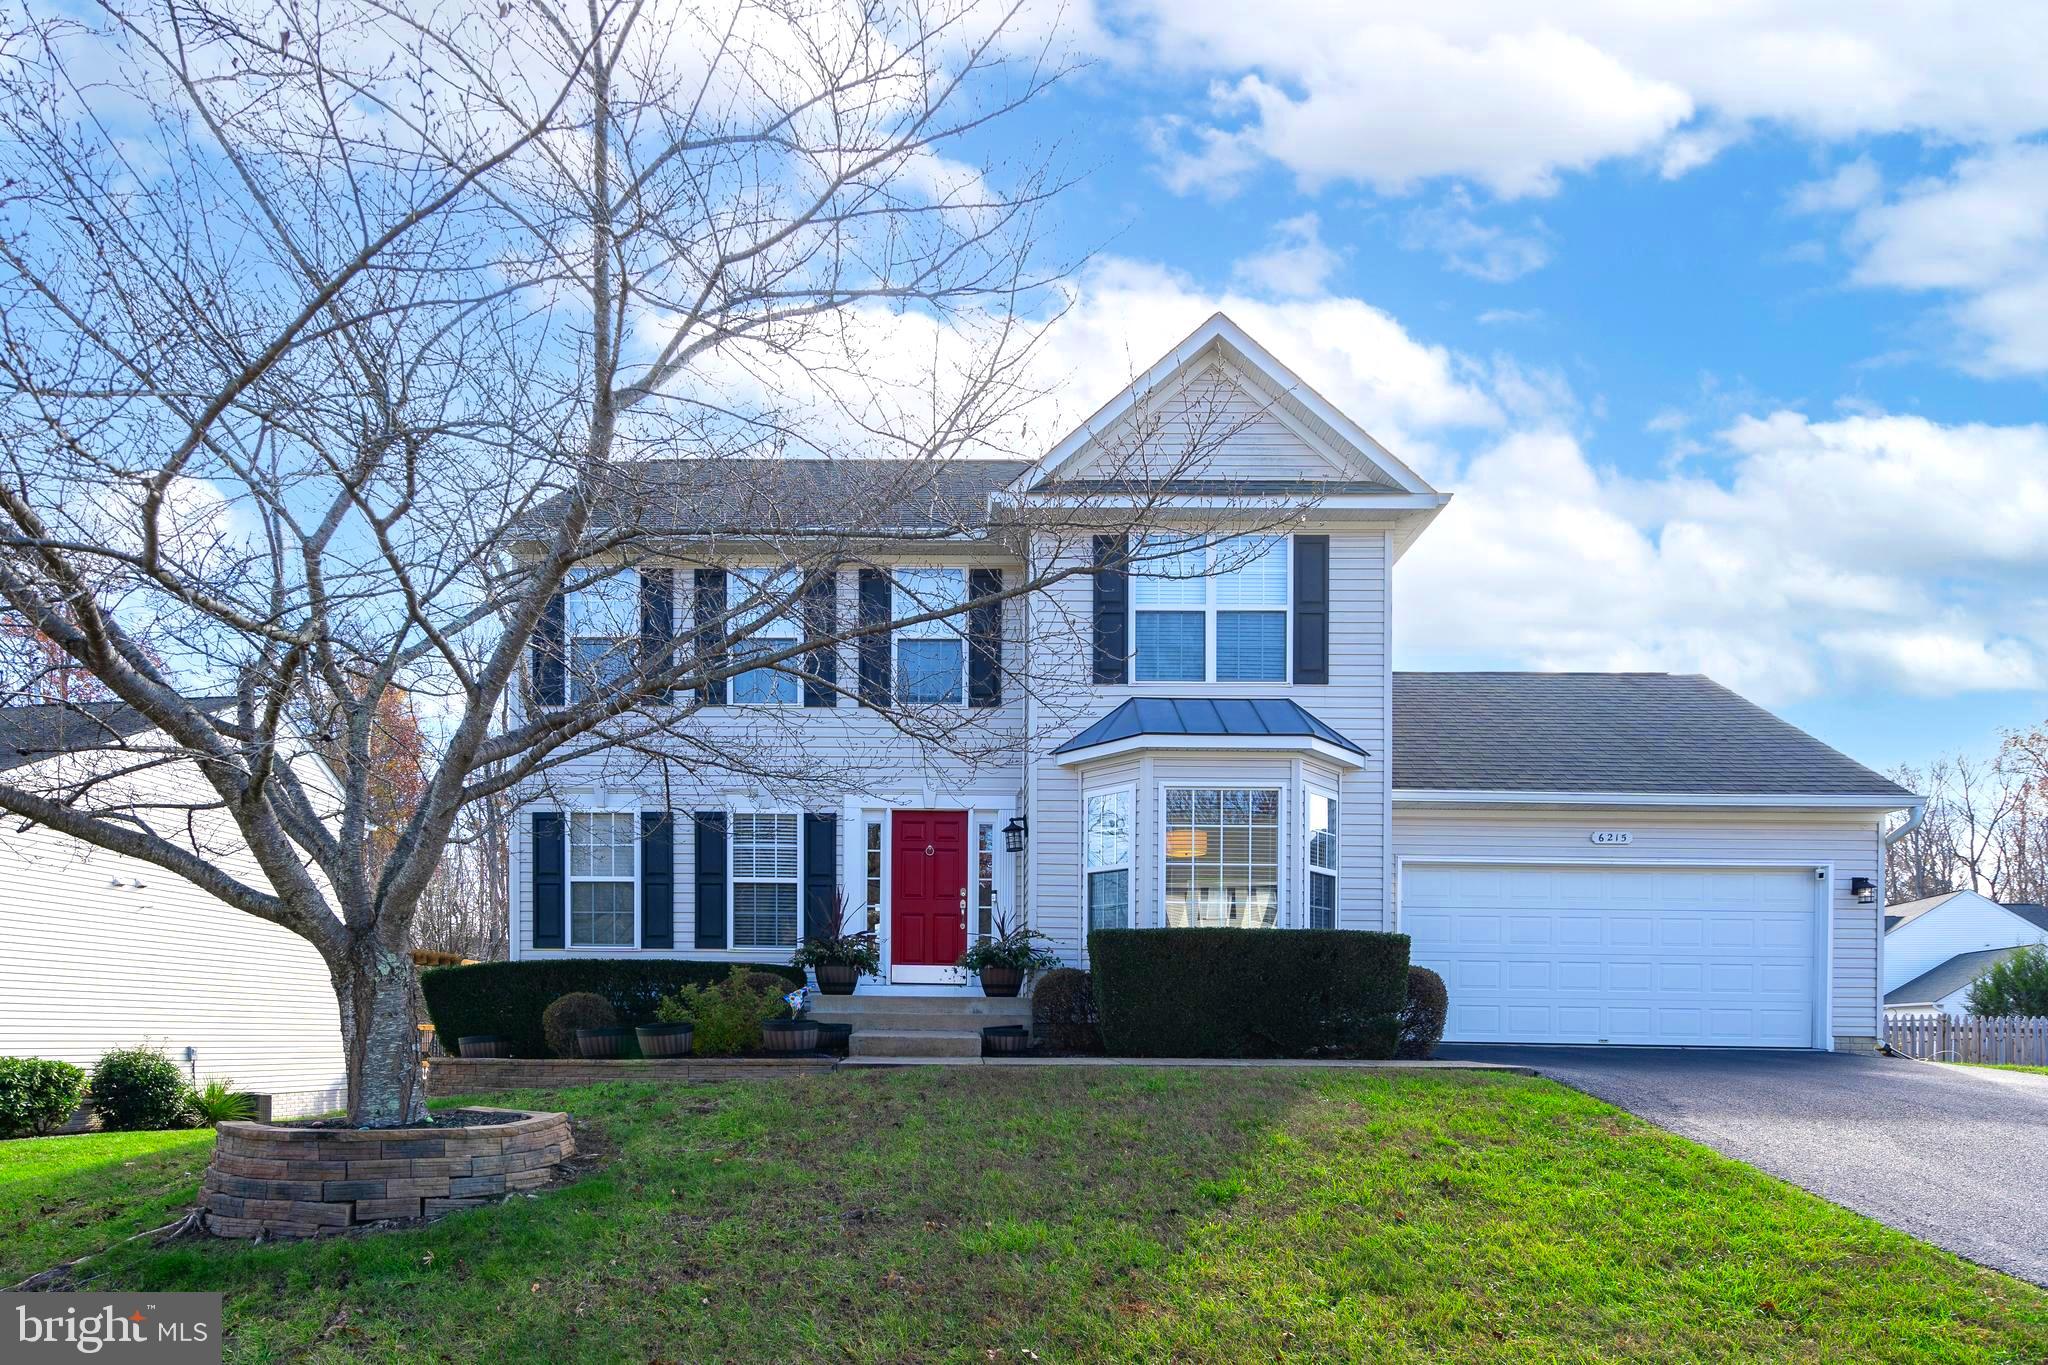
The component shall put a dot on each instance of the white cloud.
(1470, 247)
(1505, 317)
(1850, 187)
(1297, 264)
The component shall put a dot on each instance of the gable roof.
(1936, 983)
(40, 730)
(1637, 733)
(1905, 912)
(2036, 915)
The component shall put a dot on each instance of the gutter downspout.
(1916, 813)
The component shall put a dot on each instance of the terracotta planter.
(601, 1043)
(1006, 1040)
(837, 978)
(483, 1045)
(665, 1040)
(1001, 981)
(789, 1035)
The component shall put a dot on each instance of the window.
(1322, 861)
(985, 878)
(1222, 857)
(751, 594)
(874, 873)
(604, 848)
(604, 634)
(931, 656)
(1107, 856)
(764, 881)
(1224, 601)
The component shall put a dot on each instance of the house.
(1935, 947)
(1587, 858)
(105, 951)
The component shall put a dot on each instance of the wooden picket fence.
(1965, 1038)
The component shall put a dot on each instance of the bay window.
(1106, 856)
(1322, 861)
(1210, 612)
(1222, 857)
(931, 656)
(604, 633)
(765, 880)
(604, 849)
(752, 595)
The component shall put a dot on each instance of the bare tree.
(1974, 835)
(335, 342)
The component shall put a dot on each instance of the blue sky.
(1729, 332)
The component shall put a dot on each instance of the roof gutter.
(1416, 796)
(1917, 814)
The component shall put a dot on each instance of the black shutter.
(710, 613)
(821, 622)
(548, 887)
(550, 647)
(1311, 609)
(710, 878)
(657, 880)
(874, 649)
(821, 874)
(984, 639)
(1112, 609)
(657, 622)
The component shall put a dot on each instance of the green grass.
(1082, 1214)
(2009, 1066)
(64, 1197)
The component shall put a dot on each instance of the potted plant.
(665, 1040)
(1007, 958)
(603, 1044)
(839, 959)
(483, 1045)
(794, 1034)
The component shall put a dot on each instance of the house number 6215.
(1612, 836)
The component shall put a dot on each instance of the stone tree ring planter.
(293, 1181)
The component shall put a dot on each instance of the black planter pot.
(833, 1038)
(789, 1036)
(603, 1043)
(665, 1040)
(483, 1045)
(837, 978)
(1005, 1040)
(1001, 981)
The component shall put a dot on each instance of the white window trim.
(1283, 870)
(1129, 866)
(1309, 870)
(569, 877)
(766, 630)
(955, 624)
(1209, 609)
(733, 879)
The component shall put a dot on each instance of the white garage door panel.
(1674, 956)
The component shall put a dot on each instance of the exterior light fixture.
(1015, 833)
(1187, 843)
(1864, 889)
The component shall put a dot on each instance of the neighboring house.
(1935, 947)
(1596, 858)
(104, 951)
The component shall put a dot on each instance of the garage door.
(1664, 956)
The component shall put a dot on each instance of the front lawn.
(64, 1197)
(1062, 1214)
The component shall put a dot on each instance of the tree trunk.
(380, 1033)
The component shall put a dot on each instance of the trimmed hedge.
(509, 997)
(1422, 1018)
(1249, 992)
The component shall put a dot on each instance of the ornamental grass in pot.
(838, 958)
(1007, 958)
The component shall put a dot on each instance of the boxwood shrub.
(1249, 992)
(509, 997)
(36, 1095)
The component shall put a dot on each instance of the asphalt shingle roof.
(1952, 975)
(36, 731)
(1233, 717)
(1656, 733)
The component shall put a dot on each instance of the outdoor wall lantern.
(1015, 833)
(1864, 889)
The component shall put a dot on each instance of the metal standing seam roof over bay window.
(1266, 724)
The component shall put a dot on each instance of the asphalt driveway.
(1952, 1155)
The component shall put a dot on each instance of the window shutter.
(874, 649)
(1112, 609)
(710, 614)
(1312, 609)
(548, 885)
(984, 639)
(821, 874)
(657, 622)
(550, 648)
(710, 878)
(657, 880)
(821, 622)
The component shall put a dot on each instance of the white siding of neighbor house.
(1849, 842)
(1965, 923)
(88, 966)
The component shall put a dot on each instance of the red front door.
(928, 867)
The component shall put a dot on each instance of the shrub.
(578, 1009)
(1422, 1018)
(218, 1102)
(138, 1088)
(1063, 1011)
(2017, 985)
(727, 1014)
(1249, 992)
(507, 998)
(37, 1095)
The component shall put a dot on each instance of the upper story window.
(1213, 612)
(604, 632)
(931, 656)
(753, 595)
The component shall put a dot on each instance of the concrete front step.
(930, 1011)
(923, 1042)
(912, 1021)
